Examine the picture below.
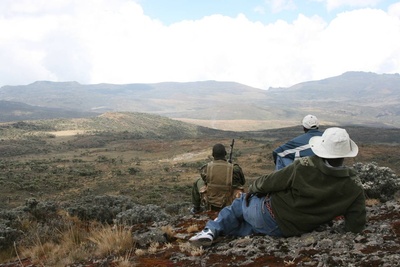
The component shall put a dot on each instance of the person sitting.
(298, 146)
(220, 182)
(310, 192)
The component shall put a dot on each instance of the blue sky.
(255, 10)
(260, 43)
(264, 11)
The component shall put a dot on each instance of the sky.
(259, 43)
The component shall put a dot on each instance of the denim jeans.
(282, 162)
(239, 220)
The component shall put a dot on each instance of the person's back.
(317, 193)
(298, 147)
(220, 182)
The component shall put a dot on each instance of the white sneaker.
(204, 238)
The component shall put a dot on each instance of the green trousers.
(196, 198)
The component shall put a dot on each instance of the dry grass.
(197, 251)
(168, 230)
(111, 240)
(193, 228)
(123, 261)
(77, 244)
(140, 252)
(153, 247)
(69, 249)
(372, 202)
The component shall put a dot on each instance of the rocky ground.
(161, 234)
(165, 243)
(378, 245)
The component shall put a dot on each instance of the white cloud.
(362, 40)
(104, 41)
(394, 10)
(280, 5)
(334, 4)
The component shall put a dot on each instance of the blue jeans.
(239, 220)
(282, 163)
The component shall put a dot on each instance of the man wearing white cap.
(298, 199)
(298, 147)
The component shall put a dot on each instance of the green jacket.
(308, 193)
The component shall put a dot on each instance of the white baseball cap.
(334, 143)
(310, 121)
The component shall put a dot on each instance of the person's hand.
(247, 198)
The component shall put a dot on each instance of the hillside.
(114, 190)
(15, 111)
(353, 98)
(65, 182)
(115, 145)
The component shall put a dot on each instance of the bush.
(378, 182)
(100, 208)
(141, 214)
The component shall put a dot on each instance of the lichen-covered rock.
(378, 182)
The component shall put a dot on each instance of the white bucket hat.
(310, 121)
(334, 143)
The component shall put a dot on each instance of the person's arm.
(203, 173)
(273, 182)
(238, 176)
(288, 145)
(355, 217)
(275, 154)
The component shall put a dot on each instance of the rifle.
(230, 154)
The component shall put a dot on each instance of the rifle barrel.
(230, 154)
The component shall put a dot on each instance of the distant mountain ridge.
(357, 98)
(15, 111)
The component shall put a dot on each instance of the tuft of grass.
(153, 247)
(111, 240)
(140, 252)
(197, 251)
(68, 249)
(123, 261)
(185, 247)
(190, 249)
(168, 230)
(372, 202)
(193, 228)
(77, 243)
(169, 245)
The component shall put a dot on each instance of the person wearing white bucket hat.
(298, 147)
(334, 143)
(310, 192)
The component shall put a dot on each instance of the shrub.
(378, 182)
(99, 208)
(141, 214)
